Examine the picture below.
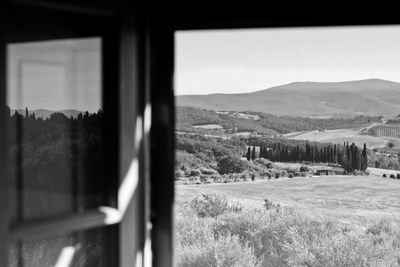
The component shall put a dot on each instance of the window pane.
(287, 146)
(77, 249)
(55, 127)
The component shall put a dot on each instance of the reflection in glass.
(56, 151)
(55, 127)
(77, 249)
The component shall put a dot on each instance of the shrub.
(215, 178)
(264, 162)
(398, 176)
(195, 172)
(225, 251)
(281, 237)
(212, 205)
(192, 179)
(208, 171)
(268, 204)
(384, 175)
(304, 169)
(203, 178)
(232, 165)
(253, 176)
(290, 175)
(229, 251)
(179, 174)
(277, 174)
(383, 226)
(392, 176)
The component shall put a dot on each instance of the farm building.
(328, 171)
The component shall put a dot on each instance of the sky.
(240, 61)
(55, 75)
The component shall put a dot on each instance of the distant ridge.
(45, 113)
(338, 99)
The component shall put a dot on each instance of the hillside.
(187, 118)
(372, 97)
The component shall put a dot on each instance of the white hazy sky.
(55, 75)
(239, 61)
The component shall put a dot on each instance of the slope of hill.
(338, 99)
(265, 124)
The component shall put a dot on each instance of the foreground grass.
(212, 232)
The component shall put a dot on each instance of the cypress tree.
(335, 154)
(248, 154)
(364, 158)
(253, 153)
(308, 152)
(357, 158)
(348, 158)
(352, 158)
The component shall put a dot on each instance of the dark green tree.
(253, 153)
(232, 165)
(248, 154)
(364, 158)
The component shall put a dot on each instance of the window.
(285, 137)
(74, 178)
(137, 54)
(56, 145)
(56, 140)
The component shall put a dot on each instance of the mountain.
(373, 97)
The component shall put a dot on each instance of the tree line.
(350, 157)
(49, 154)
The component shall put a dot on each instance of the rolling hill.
(191, 119)
(373, 97)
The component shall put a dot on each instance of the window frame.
(122, 105)
(179, 15)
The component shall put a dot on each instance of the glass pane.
(55, 127)
(77, 249)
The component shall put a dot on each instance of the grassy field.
(348, 200)
(339, 137)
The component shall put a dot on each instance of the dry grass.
(280, 237)
(320, 221)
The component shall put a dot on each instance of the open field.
(349, 200)
(209, 126)
(339, 137)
